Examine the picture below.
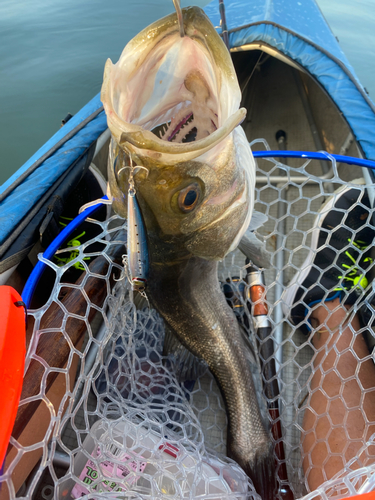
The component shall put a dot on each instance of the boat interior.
(287, 109)
(280, 95)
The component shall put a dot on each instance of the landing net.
(109, 418)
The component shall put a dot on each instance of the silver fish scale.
(124, 376)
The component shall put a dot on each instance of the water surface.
(52, 55)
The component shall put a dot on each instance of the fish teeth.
(204, 120)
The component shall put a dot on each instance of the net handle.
(36, 273)
(350, 160)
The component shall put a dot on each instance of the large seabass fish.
(172, 103)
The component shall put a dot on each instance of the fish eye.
(188, 198)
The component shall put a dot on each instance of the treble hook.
(133, 171)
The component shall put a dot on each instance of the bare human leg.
(340, 417)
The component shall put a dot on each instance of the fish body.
(196, 199)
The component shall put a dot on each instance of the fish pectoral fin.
(187, 366)
(257, 220)
(253, 247)
(255, 250)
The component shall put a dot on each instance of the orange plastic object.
(12, 361)
(364, 496)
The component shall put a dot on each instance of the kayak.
(309, 123)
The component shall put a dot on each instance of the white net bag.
(107, 415)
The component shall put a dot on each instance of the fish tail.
(262, 472)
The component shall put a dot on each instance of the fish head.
(172, 105)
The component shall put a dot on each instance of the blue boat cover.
(298, 29)
(21, 200)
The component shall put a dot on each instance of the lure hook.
(133, 170)
(136, 261)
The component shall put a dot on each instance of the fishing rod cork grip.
(257, 294)
(257, 297)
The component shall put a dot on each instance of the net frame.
(201, 435)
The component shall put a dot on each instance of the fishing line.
(251, 74)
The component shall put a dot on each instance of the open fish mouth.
(185, 126)
(191, 120)
(172, 95)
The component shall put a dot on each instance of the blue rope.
(337, 295)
